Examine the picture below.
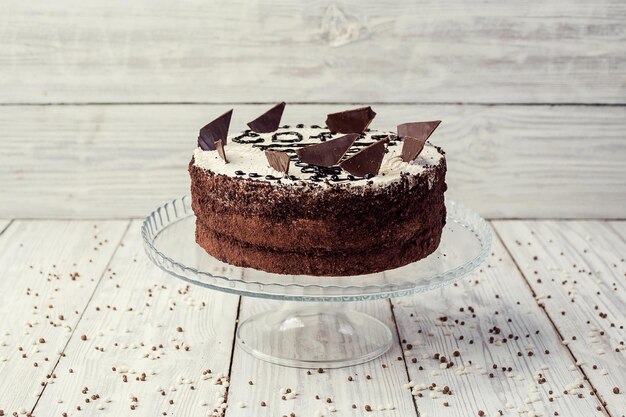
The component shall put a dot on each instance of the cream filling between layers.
(246, 158)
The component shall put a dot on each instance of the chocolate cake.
(335, 200)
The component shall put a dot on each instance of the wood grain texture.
(49, 271)
(577, 270)
(122, 161)
(563, 51)
(143, 321)
(382, 389)
(489, 320)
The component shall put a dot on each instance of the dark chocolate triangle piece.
(418, 130)
(278, 160)
(214, 131)
(351, 121)
(411, 148)
(219, 145)
(366, 162)
(327, 154)
(268, 121)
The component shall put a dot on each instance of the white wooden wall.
(100, 102)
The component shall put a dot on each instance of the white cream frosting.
(246, 158)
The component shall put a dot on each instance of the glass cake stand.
(313, 328)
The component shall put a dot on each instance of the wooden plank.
(620, 227)
(563, 51)
(382, 389)
(3, 225)
(576, 271)
(143, 321)
(489, 320)
(122, 161)
(49, 271)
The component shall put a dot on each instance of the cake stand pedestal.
(314, 327)
(327, 335)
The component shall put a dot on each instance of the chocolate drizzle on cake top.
(344, 151)
(268, 121)
(214, 131)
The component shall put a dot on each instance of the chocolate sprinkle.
(367, 161)
(351, 121)
(278, 160)
(326, 154)
(214, 131)
(268, 121)
(219, 145)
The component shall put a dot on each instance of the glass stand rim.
(168, 235)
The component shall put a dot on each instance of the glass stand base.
(314, 335)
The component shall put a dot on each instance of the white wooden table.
(100, 104)
(91, 328)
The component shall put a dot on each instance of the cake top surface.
(245, 153)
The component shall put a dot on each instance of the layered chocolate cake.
(335, 200)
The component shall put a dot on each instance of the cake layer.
(309, 218)
(319, 263)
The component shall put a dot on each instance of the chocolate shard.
(327, 154)
(418, 130)
(414, 136)
(219, 145)
(366, 162)
(278, 160)
(351, 121)
(411, 148)
(214, 131)
(268, 121)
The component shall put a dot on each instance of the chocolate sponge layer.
(307, 229)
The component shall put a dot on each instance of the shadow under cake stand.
(313, 327)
